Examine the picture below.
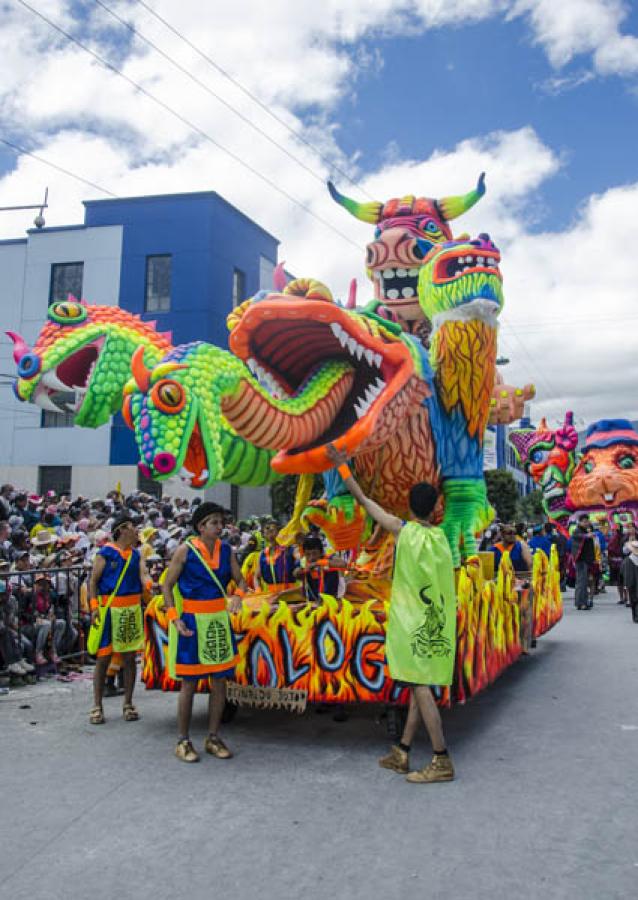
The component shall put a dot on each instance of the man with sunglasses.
(116, 585)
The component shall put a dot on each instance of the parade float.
(303, 371)
(601, 480)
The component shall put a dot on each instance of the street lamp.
(502, 360)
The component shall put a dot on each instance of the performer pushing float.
(201, 639)
(116, 588)
(421, 632)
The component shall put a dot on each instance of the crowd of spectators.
(47, 546)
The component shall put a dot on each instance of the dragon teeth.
(378, 360)
(369, 355)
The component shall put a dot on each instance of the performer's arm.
(99, 564)
(172, 574)
(145, 580)
(387, 521)
(240, 581)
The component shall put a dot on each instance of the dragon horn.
(452, 207)
(352, 295)
(20, 346)
(141, 374)
(367, 212)
(279, 277)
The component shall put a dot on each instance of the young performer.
(115, 588)
(421, 631)
(201, 639)
(276, 563)
(318, 574)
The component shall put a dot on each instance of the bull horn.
(279, 277)
(141, 374)
(367, 212)
(352, 295)
(542, 425)
(452, 207)
(20, 346)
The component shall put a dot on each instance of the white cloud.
(570, 28)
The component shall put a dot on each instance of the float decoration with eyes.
(81, 359)
(549, 457)
(605, 479)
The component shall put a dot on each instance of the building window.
(54, 478)
(239, 287)
(266, 273)
(154, 488)
(158, 283)
(66, 278)
(52, 419)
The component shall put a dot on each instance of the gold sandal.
(129, 713)
(96, 716)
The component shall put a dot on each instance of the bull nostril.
(369, 256)
(29, 365)
(164, 463)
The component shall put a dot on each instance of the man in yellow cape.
(421, 630)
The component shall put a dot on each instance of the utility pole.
(39, 219)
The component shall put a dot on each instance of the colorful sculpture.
(606, 477)
(174, 409)
(81, 359)
(407, 228)
(550, 458)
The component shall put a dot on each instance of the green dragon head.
(461, 280)
(177, 412)
(81, 359)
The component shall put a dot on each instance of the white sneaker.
(16, 669)
(26, 665)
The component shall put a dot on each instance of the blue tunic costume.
(203, 603)
(129, 593)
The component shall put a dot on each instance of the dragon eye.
(538, 456)
(626, 461)
(68, 312)
(588, 466)
(168, 396)
(430, 226)
(29, 365)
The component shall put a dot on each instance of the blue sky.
(408, 96)
(441, 87)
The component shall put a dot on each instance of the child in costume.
(276, 563)
(201, 639)
(421, 630)
(318, 574)
(116, 586)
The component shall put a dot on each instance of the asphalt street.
(544, 805)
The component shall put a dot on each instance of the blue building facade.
(186, 260)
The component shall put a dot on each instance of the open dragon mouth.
(195, 471)
(63, 388)
(288, 344)
(453, 264)
(398, 284)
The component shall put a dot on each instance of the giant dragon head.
(549, 458)
(174, 409)
(606, 477)
(81, 359)
(348, 376)
(406, 230)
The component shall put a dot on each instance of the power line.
(195, 128)
(253, 97)
(46, 162)
(320, 178)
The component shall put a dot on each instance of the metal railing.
(18, 608)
